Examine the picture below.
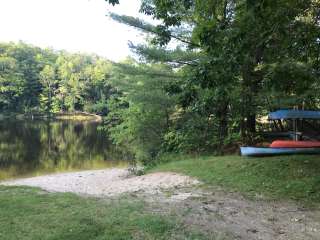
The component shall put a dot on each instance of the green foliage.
(292, 84)
(46, 81)
(47, 78)
(11, 83)
(141, 116)
(177, 57)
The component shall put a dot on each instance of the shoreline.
(73, 116)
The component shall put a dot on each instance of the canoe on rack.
(284, 147)
(269, 151)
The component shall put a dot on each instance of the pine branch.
(147, 27)
(176, 56)
(132, 70)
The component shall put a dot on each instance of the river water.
(33, 147)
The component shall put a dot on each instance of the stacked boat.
(284, 147)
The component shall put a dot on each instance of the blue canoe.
(294, 114)
(267, 151)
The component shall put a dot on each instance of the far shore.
(76, 116)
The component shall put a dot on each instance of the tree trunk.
(222, 115)
(248, 117)
(251, 80)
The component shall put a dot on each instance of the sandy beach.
(108, 182)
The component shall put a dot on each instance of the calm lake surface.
(31, 148)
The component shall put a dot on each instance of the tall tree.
(48, 79)
(245, 56)
(141, 115)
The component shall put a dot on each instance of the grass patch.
(30, 214)
(283, 177)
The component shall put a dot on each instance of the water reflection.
(29, 148)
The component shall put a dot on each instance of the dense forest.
(34, 80)
(208, 72)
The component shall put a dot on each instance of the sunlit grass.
(30, 214)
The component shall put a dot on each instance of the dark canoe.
(261, 151)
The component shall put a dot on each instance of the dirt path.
(231, 216)
(217, 213)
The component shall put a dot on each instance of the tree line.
(45, 81)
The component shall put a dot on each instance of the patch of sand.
(109, 182)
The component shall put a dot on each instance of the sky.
(72, 25)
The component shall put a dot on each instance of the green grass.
(285, 177)
(31, 214)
